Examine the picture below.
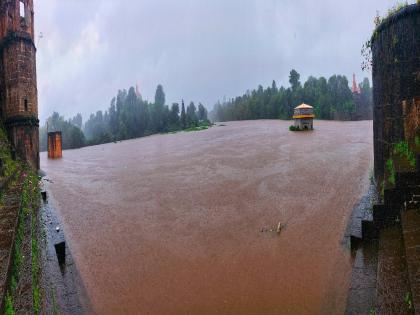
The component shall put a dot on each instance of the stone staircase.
(396, 228)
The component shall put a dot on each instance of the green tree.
(157, 111)
(183, 116)
(160, 96)
(72, 136)
(77, 121)
(113, 118)
(174, 121)
(294, 78)
(192, 120)
(202, 113)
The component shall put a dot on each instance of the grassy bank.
(23, 183)
(29, 208)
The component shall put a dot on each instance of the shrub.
(402, 149)
(391, 170)
(9, 305)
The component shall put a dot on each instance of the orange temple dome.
(304, 116)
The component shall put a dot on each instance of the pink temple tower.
(355, 88)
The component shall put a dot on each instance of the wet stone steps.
(410, 221)
(396, 229)
(398, 220)
(361, 297)
(362, 292)
(392, 276)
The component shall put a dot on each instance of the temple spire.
(355, 88)
(138, 91)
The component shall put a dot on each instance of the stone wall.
(396, 83)
(19, 79)
(25, 139)
(18, 82)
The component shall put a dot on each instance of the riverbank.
(63, 288)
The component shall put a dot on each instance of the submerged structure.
(55, 145)
(18, 86)
(304, 117)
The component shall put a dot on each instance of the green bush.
(391, 170)
(402, 149)
(9, 306)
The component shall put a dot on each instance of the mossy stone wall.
(396, 84)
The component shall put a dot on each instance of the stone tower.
(18, 87)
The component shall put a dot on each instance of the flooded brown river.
(172, 224)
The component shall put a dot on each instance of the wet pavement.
(362, 293)
(172, 224)
(393, 282)
(361, 298)
(63, 289)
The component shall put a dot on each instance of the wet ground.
(63, 289)
(362, 296)
(180, 223)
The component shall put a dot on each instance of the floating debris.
(279, 227)
(57, 229)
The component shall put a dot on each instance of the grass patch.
(10, 167)
(402, 149)
(391, 170)
(29, 206)
(17, 261)
(408, 300)
(9, 310)
(393, 10)
(198, 128)
(293, 128)
(31, 197)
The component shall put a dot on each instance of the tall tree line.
(331, 99)
(72, 135)
(128, 116)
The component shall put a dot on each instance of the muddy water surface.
(171, 224)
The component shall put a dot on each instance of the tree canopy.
(128, 116)
(331, 99)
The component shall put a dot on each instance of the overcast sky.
(199, 50)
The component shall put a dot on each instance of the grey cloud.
(198, 50)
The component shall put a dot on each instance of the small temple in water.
(304, 117)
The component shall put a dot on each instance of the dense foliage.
(73, 136)
(128, 116)
(332, 99)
